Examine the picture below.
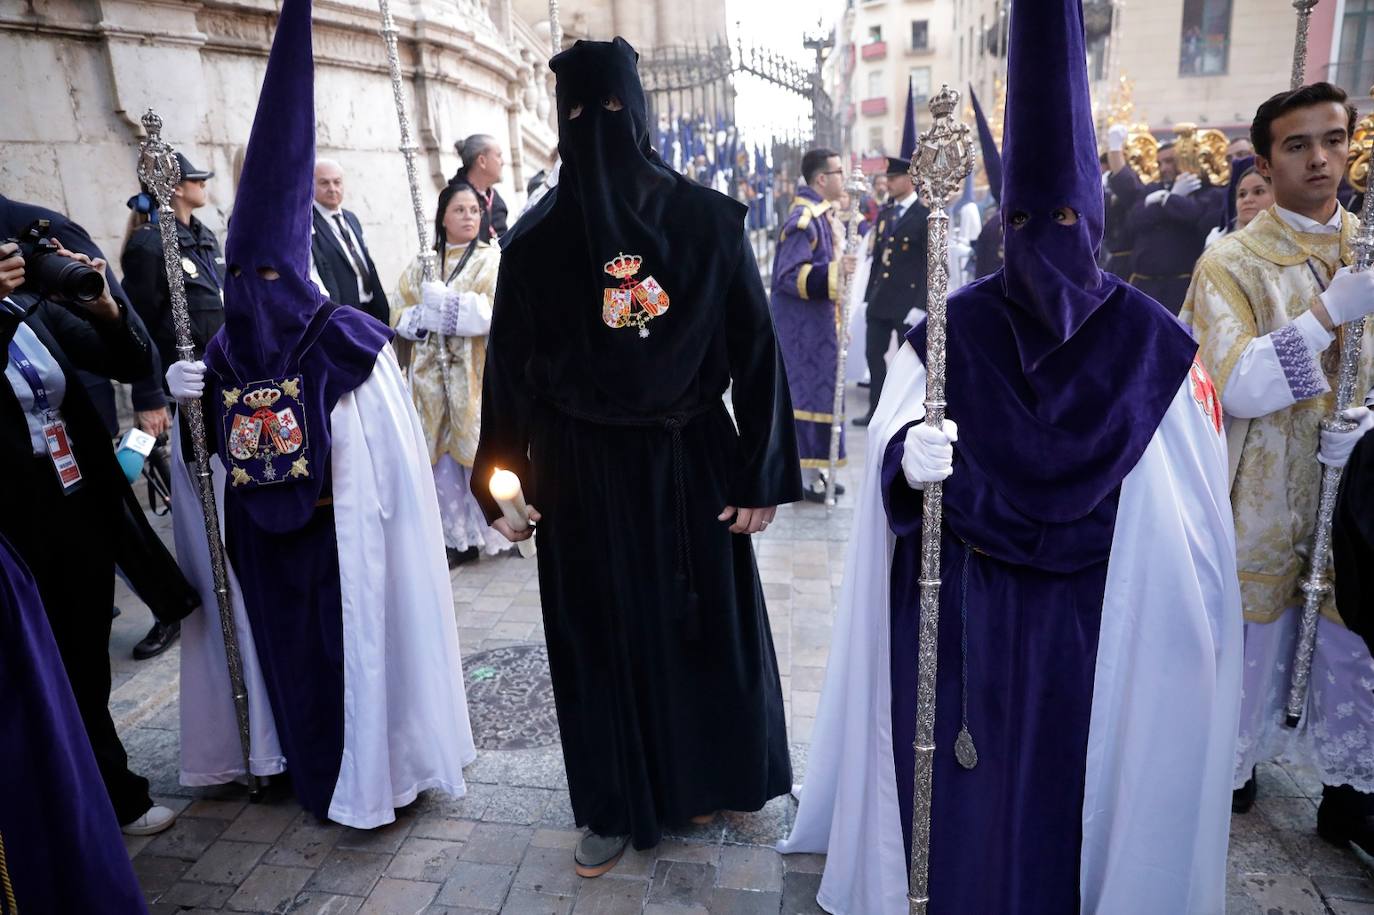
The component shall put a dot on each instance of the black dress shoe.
(1346, 815)
(1243, 798)
(158, 640)
(459, 557)
(864, 420)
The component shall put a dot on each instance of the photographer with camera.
(64, 490)
(147, 564)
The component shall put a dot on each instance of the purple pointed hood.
(909, 124)
(1049, 159)
(266, 320)
(992, 156)
(281, 333)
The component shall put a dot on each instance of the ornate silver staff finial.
(849, 216)
(1304, 10)
(159, 171)
(943, 159)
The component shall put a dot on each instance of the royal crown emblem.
(264, 433)
(632, 304)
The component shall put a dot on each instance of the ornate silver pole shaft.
(555, 28)
(1304, 8)
(855, 187)
(159, 171)
(1317, 585)
(943, 159)
(408, 147)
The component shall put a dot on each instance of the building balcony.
(875, 50)
(873, 107)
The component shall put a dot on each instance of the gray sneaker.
(597, 854)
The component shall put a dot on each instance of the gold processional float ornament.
(1200, 151)
(1361, 148)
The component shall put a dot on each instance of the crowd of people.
(1129, 451)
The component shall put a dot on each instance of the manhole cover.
(510, 698)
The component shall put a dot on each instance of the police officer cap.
(189, 172)
(897, 166)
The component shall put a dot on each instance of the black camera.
(53, 275)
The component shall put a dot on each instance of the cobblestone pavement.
(507, 845)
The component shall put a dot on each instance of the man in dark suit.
(897, 280)
(336, 245)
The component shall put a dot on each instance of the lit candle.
(505, 489)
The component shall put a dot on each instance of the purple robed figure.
(1089, 639)
(806, 270)
(331, 525)
(60, 847)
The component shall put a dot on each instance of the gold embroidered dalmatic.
(452, 416)
(1249, 284)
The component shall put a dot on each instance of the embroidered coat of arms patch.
(633, 304)
(264, 433)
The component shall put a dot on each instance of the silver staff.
(1317, 585)
(159, 172)
(555, 28)
(1304, 9)
(855, 187)
(408, 147)
(943, 159)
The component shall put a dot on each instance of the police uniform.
(202, 267)
(896, 283)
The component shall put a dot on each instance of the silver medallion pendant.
(964, 750)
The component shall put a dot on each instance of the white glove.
(1185, 184)
(432, 297)
(186, 380)
(1154, 198)
(1349, 296)
(913, 317)
(409, 325)
(1214, 236)
(928, 453)
(465, 314)
(1336, 446)
(1116, 137)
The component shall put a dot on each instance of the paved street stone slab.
(156, 875)
(305, 843)
(188, 839)
(349, 872)
(262, 822)
(269, 888)
(681, 883)
(477, 885)
(226, 862)
(424, 859)
(547, 870)
(192, 895)
(399, 897)
(610, 897)
(742, 902)
(529, 902)
(744, 867)
(311, 903)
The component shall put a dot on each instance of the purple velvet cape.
(62, 845)
(806, 326)
(1031, 506)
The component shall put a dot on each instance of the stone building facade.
(80, 73)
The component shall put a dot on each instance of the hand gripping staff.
(159, 172)
(855, 187)
(943, 159)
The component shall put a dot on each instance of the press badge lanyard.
(54, 429)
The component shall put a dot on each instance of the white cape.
(1166, 692)
(405, 712)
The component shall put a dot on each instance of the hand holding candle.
(516, 515)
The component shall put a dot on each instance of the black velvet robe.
(1352, 542)
(669, 706)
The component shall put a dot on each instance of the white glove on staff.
(1349, 296)
(1116, 137)
(928, 453)
(432, 297)
(1185, 184)
(1336, 446)
(1154, 198)
(186, 380)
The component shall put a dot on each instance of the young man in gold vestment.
(1266, 304)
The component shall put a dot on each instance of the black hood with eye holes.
(616, 196)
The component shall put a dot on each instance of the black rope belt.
(673, 424)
